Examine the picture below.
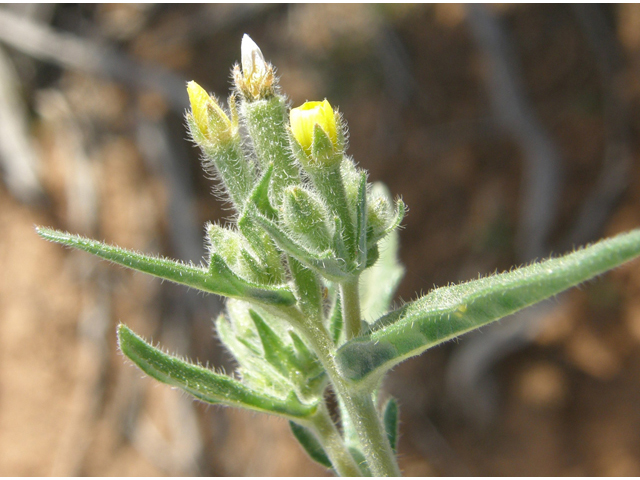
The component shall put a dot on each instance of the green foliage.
(448, 312)
(310, 270)
(391, 420)
(310, 444)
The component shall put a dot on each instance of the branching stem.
(358, 402)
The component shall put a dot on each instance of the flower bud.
(304, 120)
(306, 218)
(379, 209)
(211, 122)
(254, 67)
(256, 80)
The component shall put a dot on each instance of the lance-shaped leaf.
(218, 279)
(310, 444)
(448, 312)
(276, 352)
(390, 421)
(203, 383)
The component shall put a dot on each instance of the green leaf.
(243, 341)
(218, 279)
(448, 312)
(390, 421)
(276, 352)
(310, 444)
(203, 383)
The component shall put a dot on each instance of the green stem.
(371, 433)
(359, 404)
(350, 299)
(333, 444)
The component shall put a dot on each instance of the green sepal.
(323, 151)
(351, 179)
(264, 247)
(256, 236)
(219, 278)
(448, 312)
(310, 444)
(328, 183)
(237, 331)
(309, 367)
(260, 194)
(382, 217)
(339, 247)
(390, 421)
(203, 383)
(305, 358)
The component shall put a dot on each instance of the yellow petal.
(199, 99)
(303, 120)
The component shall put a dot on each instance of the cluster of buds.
(297, 192)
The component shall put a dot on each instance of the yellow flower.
(304, 119)
(207, 114)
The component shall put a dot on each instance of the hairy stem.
(333, 444)
(350, 298)
(359, 404)
(373, 438)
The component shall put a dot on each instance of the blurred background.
(512, 132)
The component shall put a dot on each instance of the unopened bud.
(256, 80)
(254, 66)
(304, 120)
(307, 218)
(209, 118)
